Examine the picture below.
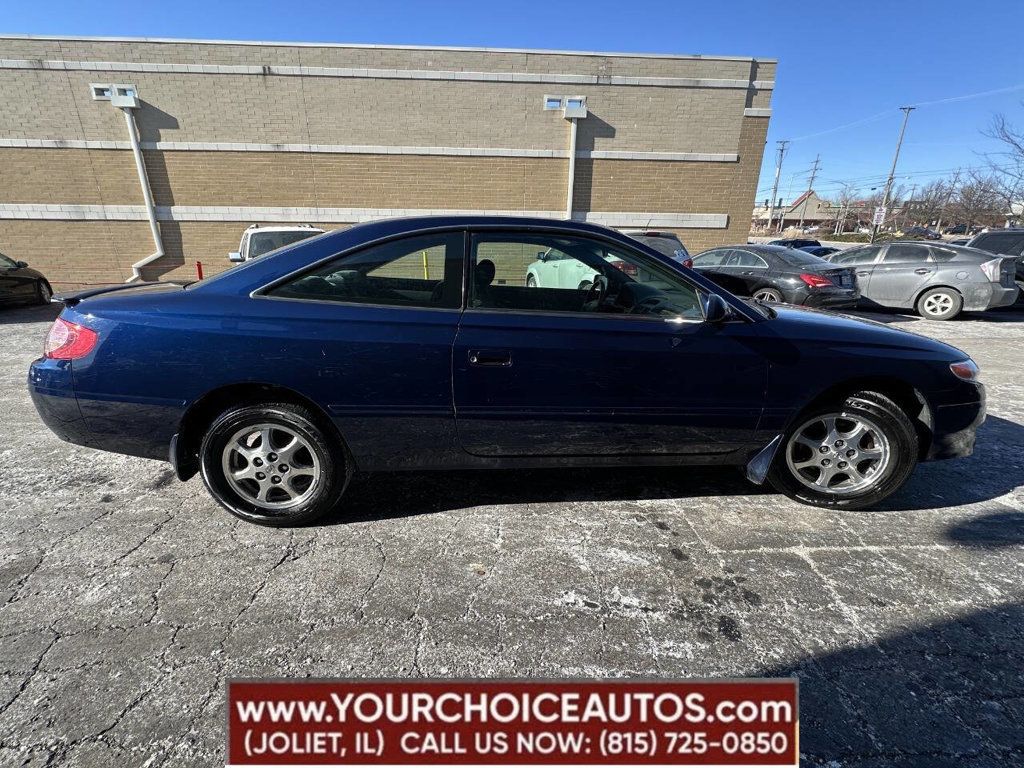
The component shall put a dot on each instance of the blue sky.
(839, 63)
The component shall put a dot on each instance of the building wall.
(235, 134)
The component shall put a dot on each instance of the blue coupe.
(421, 344)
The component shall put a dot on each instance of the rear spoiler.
(72, 298)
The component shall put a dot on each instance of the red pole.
(199, 270)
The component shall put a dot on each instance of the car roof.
(279, 228)
(755, 247)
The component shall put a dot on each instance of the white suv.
(258, 240)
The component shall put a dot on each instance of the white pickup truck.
(258, 240)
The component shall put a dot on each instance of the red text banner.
(360, 722)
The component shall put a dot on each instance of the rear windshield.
(669, 245)
(796, 258)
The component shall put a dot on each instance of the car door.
(750, 269)
(14, 286)
(901, 273)
(626, 368)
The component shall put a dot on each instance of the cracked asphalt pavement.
(127, 598)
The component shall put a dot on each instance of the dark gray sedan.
(774, 273)
(939, 281)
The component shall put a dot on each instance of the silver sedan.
(937, 280)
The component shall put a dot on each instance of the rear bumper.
(833, 299)
(49, 385)
(955, 428)
(134, 428)
(979, 297)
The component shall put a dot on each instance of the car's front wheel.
(272, 464)
(852, 455)
(43, 292)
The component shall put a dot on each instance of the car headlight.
(965, 369)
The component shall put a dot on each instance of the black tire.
(877, 410)
(940, 304)
(531, 281)
(320, 456)
(43, 292)
(768, 294)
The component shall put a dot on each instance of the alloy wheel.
(838, 453)
(938, 304)
(271, 466)
(766, 296)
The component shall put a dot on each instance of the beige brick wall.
(279, 109)
(322, 110)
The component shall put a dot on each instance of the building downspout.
(147, 196)
(572, 167)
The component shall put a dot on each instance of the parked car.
(921, 232)
(667, 243)
(795, 242)
(937, 280)
(258, 240)
(820, 251)
(554, 268)
(1004, 242)
(772, 273)
(960, 229)
(19, 284)
(279, 379)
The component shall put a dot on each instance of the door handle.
(491, 358)
(922, 271)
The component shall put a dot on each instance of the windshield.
(265, 242)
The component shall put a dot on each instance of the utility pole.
(906, 204)
(948, 200)
(810, 187)
(775, 187)
(892, 171)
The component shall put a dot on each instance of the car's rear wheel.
(43, 292)
(272, 464)
(852, 454)
(940, 304)
(768, 295)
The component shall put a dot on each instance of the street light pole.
(775, 187)
(892, 172)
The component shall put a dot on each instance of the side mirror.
(542, 255)
(235, 256)
(21, 264)
(715, 309)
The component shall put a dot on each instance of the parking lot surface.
(128, 598)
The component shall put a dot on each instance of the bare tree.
(929, 201)
(976, 201)
(1007, 167)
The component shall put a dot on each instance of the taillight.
(815, 281)
(992, 269)
(69, 341)
(965, 369)
(625, 266)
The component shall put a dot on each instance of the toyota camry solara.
(421, 344)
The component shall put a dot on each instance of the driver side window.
(555, 273)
